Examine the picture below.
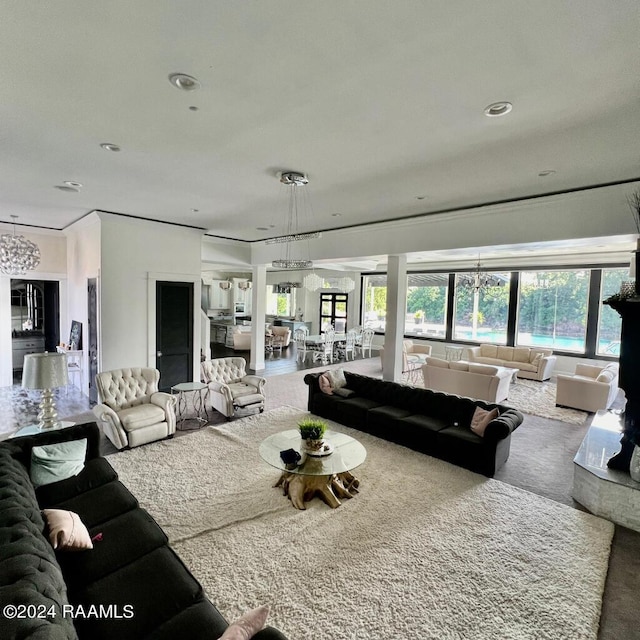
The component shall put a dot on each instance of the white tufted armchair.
(133, 411)
(230, 388)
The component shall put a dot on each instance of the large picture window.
(427, 305)
(552, 309)
(482, 314)
(280, 300)
(609, 321)
(374, 305)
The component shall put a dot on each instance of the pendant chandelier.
(479, 279)
(295, 181)
(17, 254)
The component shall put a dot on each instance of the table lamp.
(45, 371)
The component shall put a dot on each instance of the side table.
(198, 391)
(34, 429)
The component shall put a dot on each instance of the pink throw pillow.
(325, 384)
(247, 625)
(66, 530)
(481, 419)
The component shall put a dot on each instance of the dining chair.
(350, 344)
(300, 340)
(324, 350)
(365, 342)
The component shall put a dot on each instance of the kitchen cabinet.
(23, 346)
(219, 298)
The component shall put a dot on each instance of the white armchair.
(230, 388)
(591, 388)
(132, 410)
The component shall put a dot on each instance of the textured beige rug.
(427, 550)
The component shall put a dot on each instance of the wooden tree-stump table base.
(300, 488)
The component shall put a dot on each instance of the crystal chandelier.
(17, 254)
(479, 279)
(313, 282)
(294, 180)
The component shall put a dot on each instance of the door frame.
(152, 279)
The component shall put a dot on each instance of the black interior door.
(51, 314)
(92, 321)
(174, 332)
(333, 310)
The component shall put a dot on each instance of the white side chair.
(75, 367)
(324, 351)
(300, 340)
(132, 410)
(365, 342)
(350, 345)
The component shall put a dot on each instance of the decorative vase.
(634, 467)
(313, 445)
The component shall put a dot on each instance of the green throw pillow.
(54, 462)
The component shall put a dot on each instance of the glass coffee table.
(328, 476)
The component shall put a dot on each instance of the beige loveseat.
(591, 388)
(470, 379)
(536, 363)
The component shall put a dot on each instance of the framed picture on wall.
(75, 337)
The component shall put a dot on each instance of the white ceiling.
(378, 102)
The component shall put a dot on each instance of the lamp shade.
(44, 371)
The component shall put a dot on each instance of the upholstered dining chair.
(324, 350)
(350, 345)
(132, 411)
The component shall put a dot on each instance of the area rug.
(426, 550)
(539, 399)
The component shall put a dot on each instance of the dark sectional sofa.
(131, 565)
(427, 421)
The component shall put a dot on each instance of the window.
(481, 314)
(609, 321)
(552, 309)
(427, 305)
(281, 301)
(333, 311)
(374, 292)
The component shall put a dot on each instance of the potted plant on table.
(312, 433)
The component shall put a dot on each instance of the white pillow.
(337, 378)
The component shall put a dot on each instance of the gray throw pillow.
(54, 462)
(343, 392)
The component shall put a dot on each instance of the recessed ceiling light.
(109, 146)
(336, 215)
(73, 184)
(64, 187)
(193, 108)
(262, 228)
(195, 210)
(498, 109)
(420, 197)
(546, 172)
(184, 82)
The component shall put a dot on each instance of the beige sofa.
(470, 379)
(591, 388)
(536, 363)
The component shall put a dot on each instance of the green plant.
(312, 429)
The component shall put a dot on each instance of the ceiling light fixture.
(294, 180)
(313, 282)
(17, 254)
(109, 146)
(479, 279)
(70, 183)
(245, 285)
(498, 109)
(184, 82)
(546, 172)
(64, 187)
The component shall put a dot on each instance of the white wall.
(135, 254)
(83, 262)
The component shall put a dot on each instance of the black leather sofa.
(427, 421)
(145, 590)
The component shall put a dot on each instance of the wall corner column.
(396, 309)
(258, 313)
